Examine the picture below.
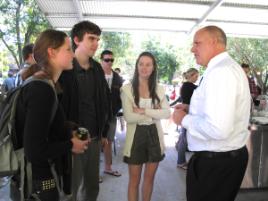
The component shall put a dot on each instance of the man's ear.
(76, 40)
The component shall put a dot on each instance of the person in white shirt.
(144, 105)
(114, 82)
(217, 121)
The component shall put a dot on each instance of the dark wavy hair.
(83, 27)
(152, 81)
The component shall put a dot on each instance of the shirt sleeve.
(163, 112)
(127, 105)
(217, 120)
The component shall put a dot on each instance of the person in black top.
(86, 101)
(43, 132)
(114, 82)
(186, 92)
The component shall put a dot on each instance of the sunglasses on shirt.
(108, 60)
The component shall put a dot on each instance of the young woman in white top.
(144, 105)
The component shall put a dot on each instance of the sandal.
(112, 172)
(182, 166)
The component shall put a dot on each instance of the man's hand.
(104, 141)
(79, 146)
(184, 107)
(178, 116)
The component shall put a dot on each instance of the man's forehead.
(91, 35)
(201, 35)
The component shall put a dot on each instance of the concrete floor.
(169, 181)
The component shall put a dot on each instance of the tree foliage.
(120, 44)
(165, 57)
(21, 21)
(253, 52)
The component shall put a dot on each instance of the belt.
(227, 154)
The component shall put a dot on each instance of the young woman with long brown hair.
(43, 132)
(144, 105)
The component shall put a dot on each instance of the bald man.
(216, 121)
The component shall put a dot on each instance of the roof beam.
(78, 9)
(215, 5)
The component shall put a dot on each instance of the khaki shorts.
(112, 129)
(145, 147)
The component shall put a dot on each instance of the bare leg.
(148, 180)
(122, 123)
(134, 181)
(107, 150)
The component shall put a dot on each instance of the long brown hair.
(152, 81)
(47, 39)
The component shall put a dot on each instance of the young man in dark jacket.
(85, 100)
(114, 82)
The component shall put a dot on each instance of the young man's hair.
(81, 28)
(244, 65)
(27, 50)
(105, 52)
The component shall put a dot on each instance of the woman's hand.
(79, 146)
(138, 110)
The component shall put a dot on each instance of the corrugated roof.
(236, 17)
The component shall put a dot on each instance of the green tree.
(3, 62)
(21, 21)
(119, 43)
(253, 52)
(165, 57)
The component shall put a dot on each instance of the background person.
(254, 91)
(144, 105)
(114, 82)
(186, 92)
(217, 127)
(27, 54)
(9, 82)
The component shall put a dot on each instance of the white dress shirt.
(220, 108)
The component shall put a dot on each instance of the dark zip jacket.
(70, 96)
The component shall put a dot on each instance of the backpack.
(13, 161)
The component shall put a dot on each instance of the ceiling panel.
(239, 17)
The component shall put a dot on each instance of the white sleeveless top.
(146, 103)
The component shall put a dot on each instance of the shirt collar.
(217, 59)
(79, 68)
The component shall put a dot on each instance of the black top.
(42, 140)
(187, 90)
(87, 104)
(115, 93)
(70, 97)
